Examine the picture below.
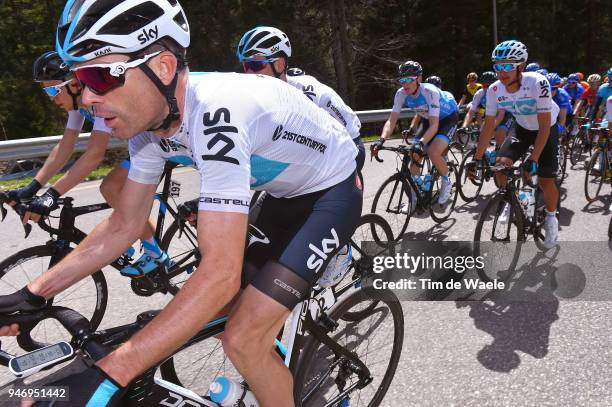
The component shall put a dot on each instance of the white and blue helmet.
(88, 29)
(269, 42)
(511, 50)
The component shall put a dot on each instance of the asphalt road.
(493, 353)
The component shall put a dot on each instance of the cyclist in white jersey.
(266, 50)
(440, 112)
(242, 131)
(64, 91)
(58, 83)
(527, 96)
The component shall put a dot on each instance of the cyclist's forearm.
(562, 117)
(57, 159)
(197, 303)
(104, 244)
(468, 118)
(88, 162)
(542, 137)
(485, 136)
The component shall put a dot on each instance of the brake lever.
(21, 209)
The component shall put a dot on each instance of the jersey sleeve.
(100, 126)
(476, 101)
(433, 102)
(146, 160)
(221, 150)
(609, 109)
(75, 120)
(543, 96)
(491, 107)
(335, 106)
(398, 101)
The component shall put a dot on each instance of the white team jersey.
(609, 109)
(326, 98)
(248, 131)
(428, 101)
(479, 100)
(76, 120)
(533, 97)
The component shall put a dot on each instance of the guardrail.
(42, 146)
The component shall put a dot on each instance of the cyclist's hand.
(23, 194)
(407, 135)
(472, 168)
(375, 146)
(42, 205)
(189, 211)
(418, 148)
(85, 384)
(530, 168)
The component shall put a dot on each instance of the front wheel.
(88, 296)
(393, 201)
(595, 175)
(376, 339)
(498, 238)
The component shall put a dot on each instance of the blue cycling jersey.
(429, 101)
(574, 93)
(562, 99)
(604, 91)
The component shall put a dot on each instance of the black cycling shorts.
(301, 234)
(515, 147)
(446, 128)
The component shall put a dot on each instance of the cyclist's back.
(292, 150)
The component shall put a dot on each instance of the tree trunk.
(341, 49)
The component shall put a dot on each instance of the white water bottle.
(229, 393)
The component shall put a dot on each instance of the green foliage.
(449, 38)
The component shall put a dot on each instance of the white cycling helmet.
(88, 29)
(511, 50)
(267, 41)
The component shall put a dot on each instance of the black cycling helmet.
(50, 67)
(488, 77)
(409, 68)
(295, 72)
(434, 80)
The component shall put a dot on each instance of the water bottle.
(419, 181)
(527, 199)
(427, 183)
(229, 393)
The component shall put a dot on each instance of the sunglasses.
(55, 90)
(506, 66)
(102, 78)
(407, 80)
(256, 65)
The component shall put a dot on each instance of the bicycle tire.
(35, 258)
(184, 255)
(463, 179)
(577, 148)
(311, 350)
(437, 216)
(593, 179)
(391, 211)
(494, 209)
(362, 265)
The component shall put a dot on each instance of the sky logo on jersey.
(264, 170)
(309, 92)
(520, 107)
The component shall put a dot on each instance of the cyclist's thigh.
(548, 163)
(303, 234)
(513, 147)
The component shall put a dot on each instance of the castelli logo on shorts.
(316, 260)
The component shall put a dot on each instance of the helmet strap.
(75, 104)
(174, 113)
